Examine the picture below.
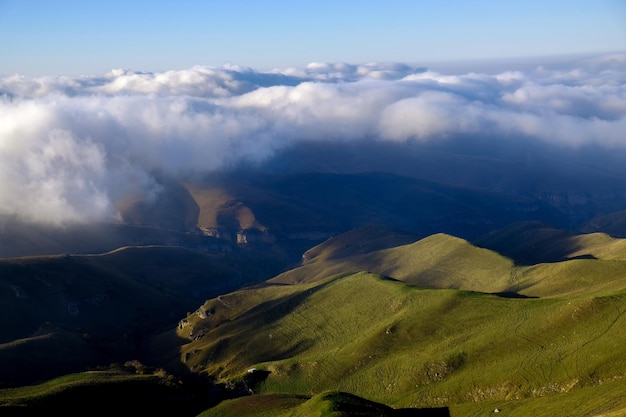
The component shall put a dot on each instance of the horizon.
(70, 38)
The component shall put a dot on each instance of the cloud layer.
(71, 148)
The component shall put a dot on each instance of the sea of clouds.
(72, 147)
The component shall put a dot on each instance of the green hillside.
(598, 401)
(437, 322)
(440, 261)
(406, 346)
(588, 262)
(328, 404)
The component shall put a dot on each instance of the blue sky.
(89, 37)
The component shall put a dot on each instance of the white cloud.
(55, 179)
(428, 115)
(70, 148)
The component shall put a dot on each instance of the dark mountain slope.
(18, 238)
(579, 182)
(530, 243)
(100, 308)
(360, 240)
(319, 205)
(613, 224)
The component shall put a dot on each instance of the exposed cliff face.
(238, 235)
(264, 236)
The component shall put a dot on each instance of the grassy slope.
(579, 276)
(598, 401)
(411, 347)
(439, 260)
(605, 400)
(327, 404)
(271, 405)
(596, 262)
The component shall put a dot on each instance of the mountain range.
(413, 279)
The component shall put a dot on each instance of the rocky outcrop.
(246, 236)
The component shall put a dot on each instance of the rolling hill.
(439, 260)
(407, 346)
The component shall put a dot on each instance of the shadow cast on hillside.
(585, 256)
(512, 294)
